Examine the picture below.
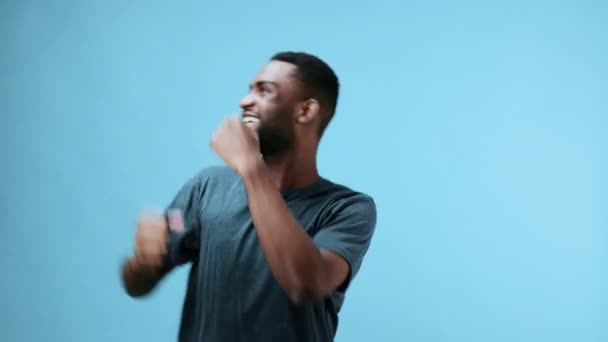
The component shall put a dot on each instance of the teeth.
(249, 119)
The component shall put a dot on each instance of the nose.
(246, 101)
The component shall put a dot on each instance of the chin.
(253, 125)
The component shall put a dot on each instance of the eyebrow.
(261, 83)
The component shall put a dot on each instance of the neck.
(292, 169)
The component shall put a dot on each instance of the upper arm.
(336, 269)
(345, 238)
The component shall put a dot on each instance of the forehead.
(277, 72)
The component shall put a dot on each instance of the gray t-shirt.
(231, 293)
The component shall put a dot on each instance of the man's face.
(270, 105)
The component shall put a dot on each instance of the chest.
(230, 253)
(225, 216)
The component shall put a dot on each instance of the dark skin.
(275, 106)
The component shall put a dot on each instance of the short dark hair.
(318, 78)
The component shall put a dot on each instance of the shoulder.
(346, 223)
(346, 197)
(345, 201)
(214, 173)
(209, 177)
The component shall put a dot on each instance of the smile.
(250, 119)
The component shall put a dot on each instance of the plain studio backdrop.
(479, 128)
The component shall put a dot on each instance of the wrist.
(133, 266)
(252, 167)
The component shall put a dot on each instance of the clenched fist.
(151, 240)
(236, 143)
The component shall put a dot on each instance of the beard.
(275, 140)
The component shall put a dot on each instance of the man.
(272, 244)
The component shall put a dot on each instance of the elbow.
(132, 290)
(303, 293)
(139, 288)
(137, 285)
(303, 297)
(308, 286)
(135, 293)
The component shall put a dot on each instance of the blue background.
(479, 128)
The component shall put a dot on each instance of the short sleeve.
(183, 246)
(348, 231)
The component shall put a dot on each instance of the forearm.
(138, 283)
(292, 256)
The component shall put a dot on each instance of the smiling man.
(272, 244)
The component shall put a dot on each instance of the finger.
(139, 256)
(151, 257)
(163, 243)
(150, 216)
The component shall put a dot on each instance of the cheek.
(273, 111)
(270, 102)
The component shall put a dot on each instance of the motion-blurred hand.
(150, 243)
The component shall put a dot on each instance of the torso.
(232, 295)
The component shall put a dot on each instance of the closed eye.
(263, 87)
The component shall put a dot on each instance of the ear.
(309, 111)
